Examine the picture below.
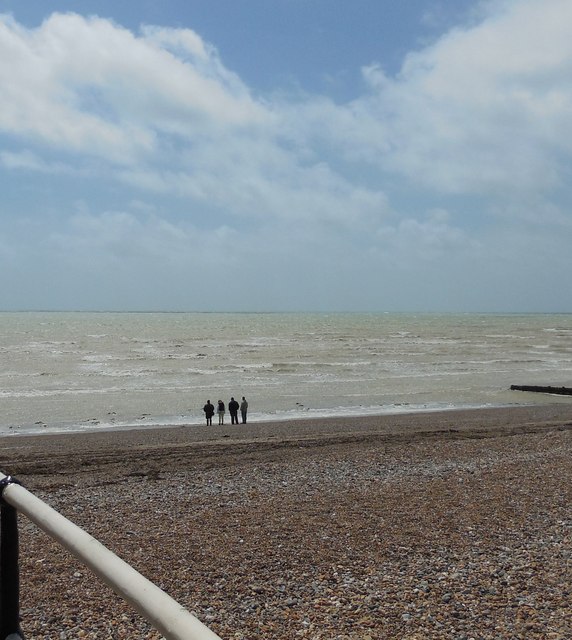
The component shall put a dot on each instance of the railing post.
(9, 570)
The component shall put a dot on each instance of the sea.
(91, 371)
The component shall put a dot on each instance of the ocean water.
(88, 371)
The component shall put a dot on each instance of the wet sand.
(435, 525)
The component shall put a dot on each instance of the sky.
(286, 155)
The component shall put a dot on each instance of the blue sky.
(265, 155)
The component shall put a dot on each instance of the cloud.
(483, 109)
(479, 111)
(162, 107)
(428, 185)
(429, 239)
(29, 161)
(88, 86)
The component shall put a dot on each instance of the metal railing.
(166, 615)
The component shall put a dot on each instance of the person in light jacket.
(243, 409)
(220, 411)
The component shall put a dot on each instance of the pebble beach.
(447, 525)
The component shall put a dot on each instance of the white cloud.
(89, 86)
(27, 160)
(40, 104)
(433, 178)
(164, 107)
(481, 110)
(484, 108)
(22, 160)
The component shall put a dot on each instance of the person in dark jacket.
(209, 412)
(233, 410)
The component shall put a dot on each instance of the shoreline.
(176, 446)
(146, 421)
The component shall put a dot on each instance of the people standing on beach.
(220, 411)
(233, 408)
(209, 412)
(243, 409)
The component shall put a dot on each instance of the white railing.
(164, 613)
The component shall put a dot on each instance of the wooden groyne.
(563, 391)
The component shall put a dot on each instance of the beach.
(453, 524)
